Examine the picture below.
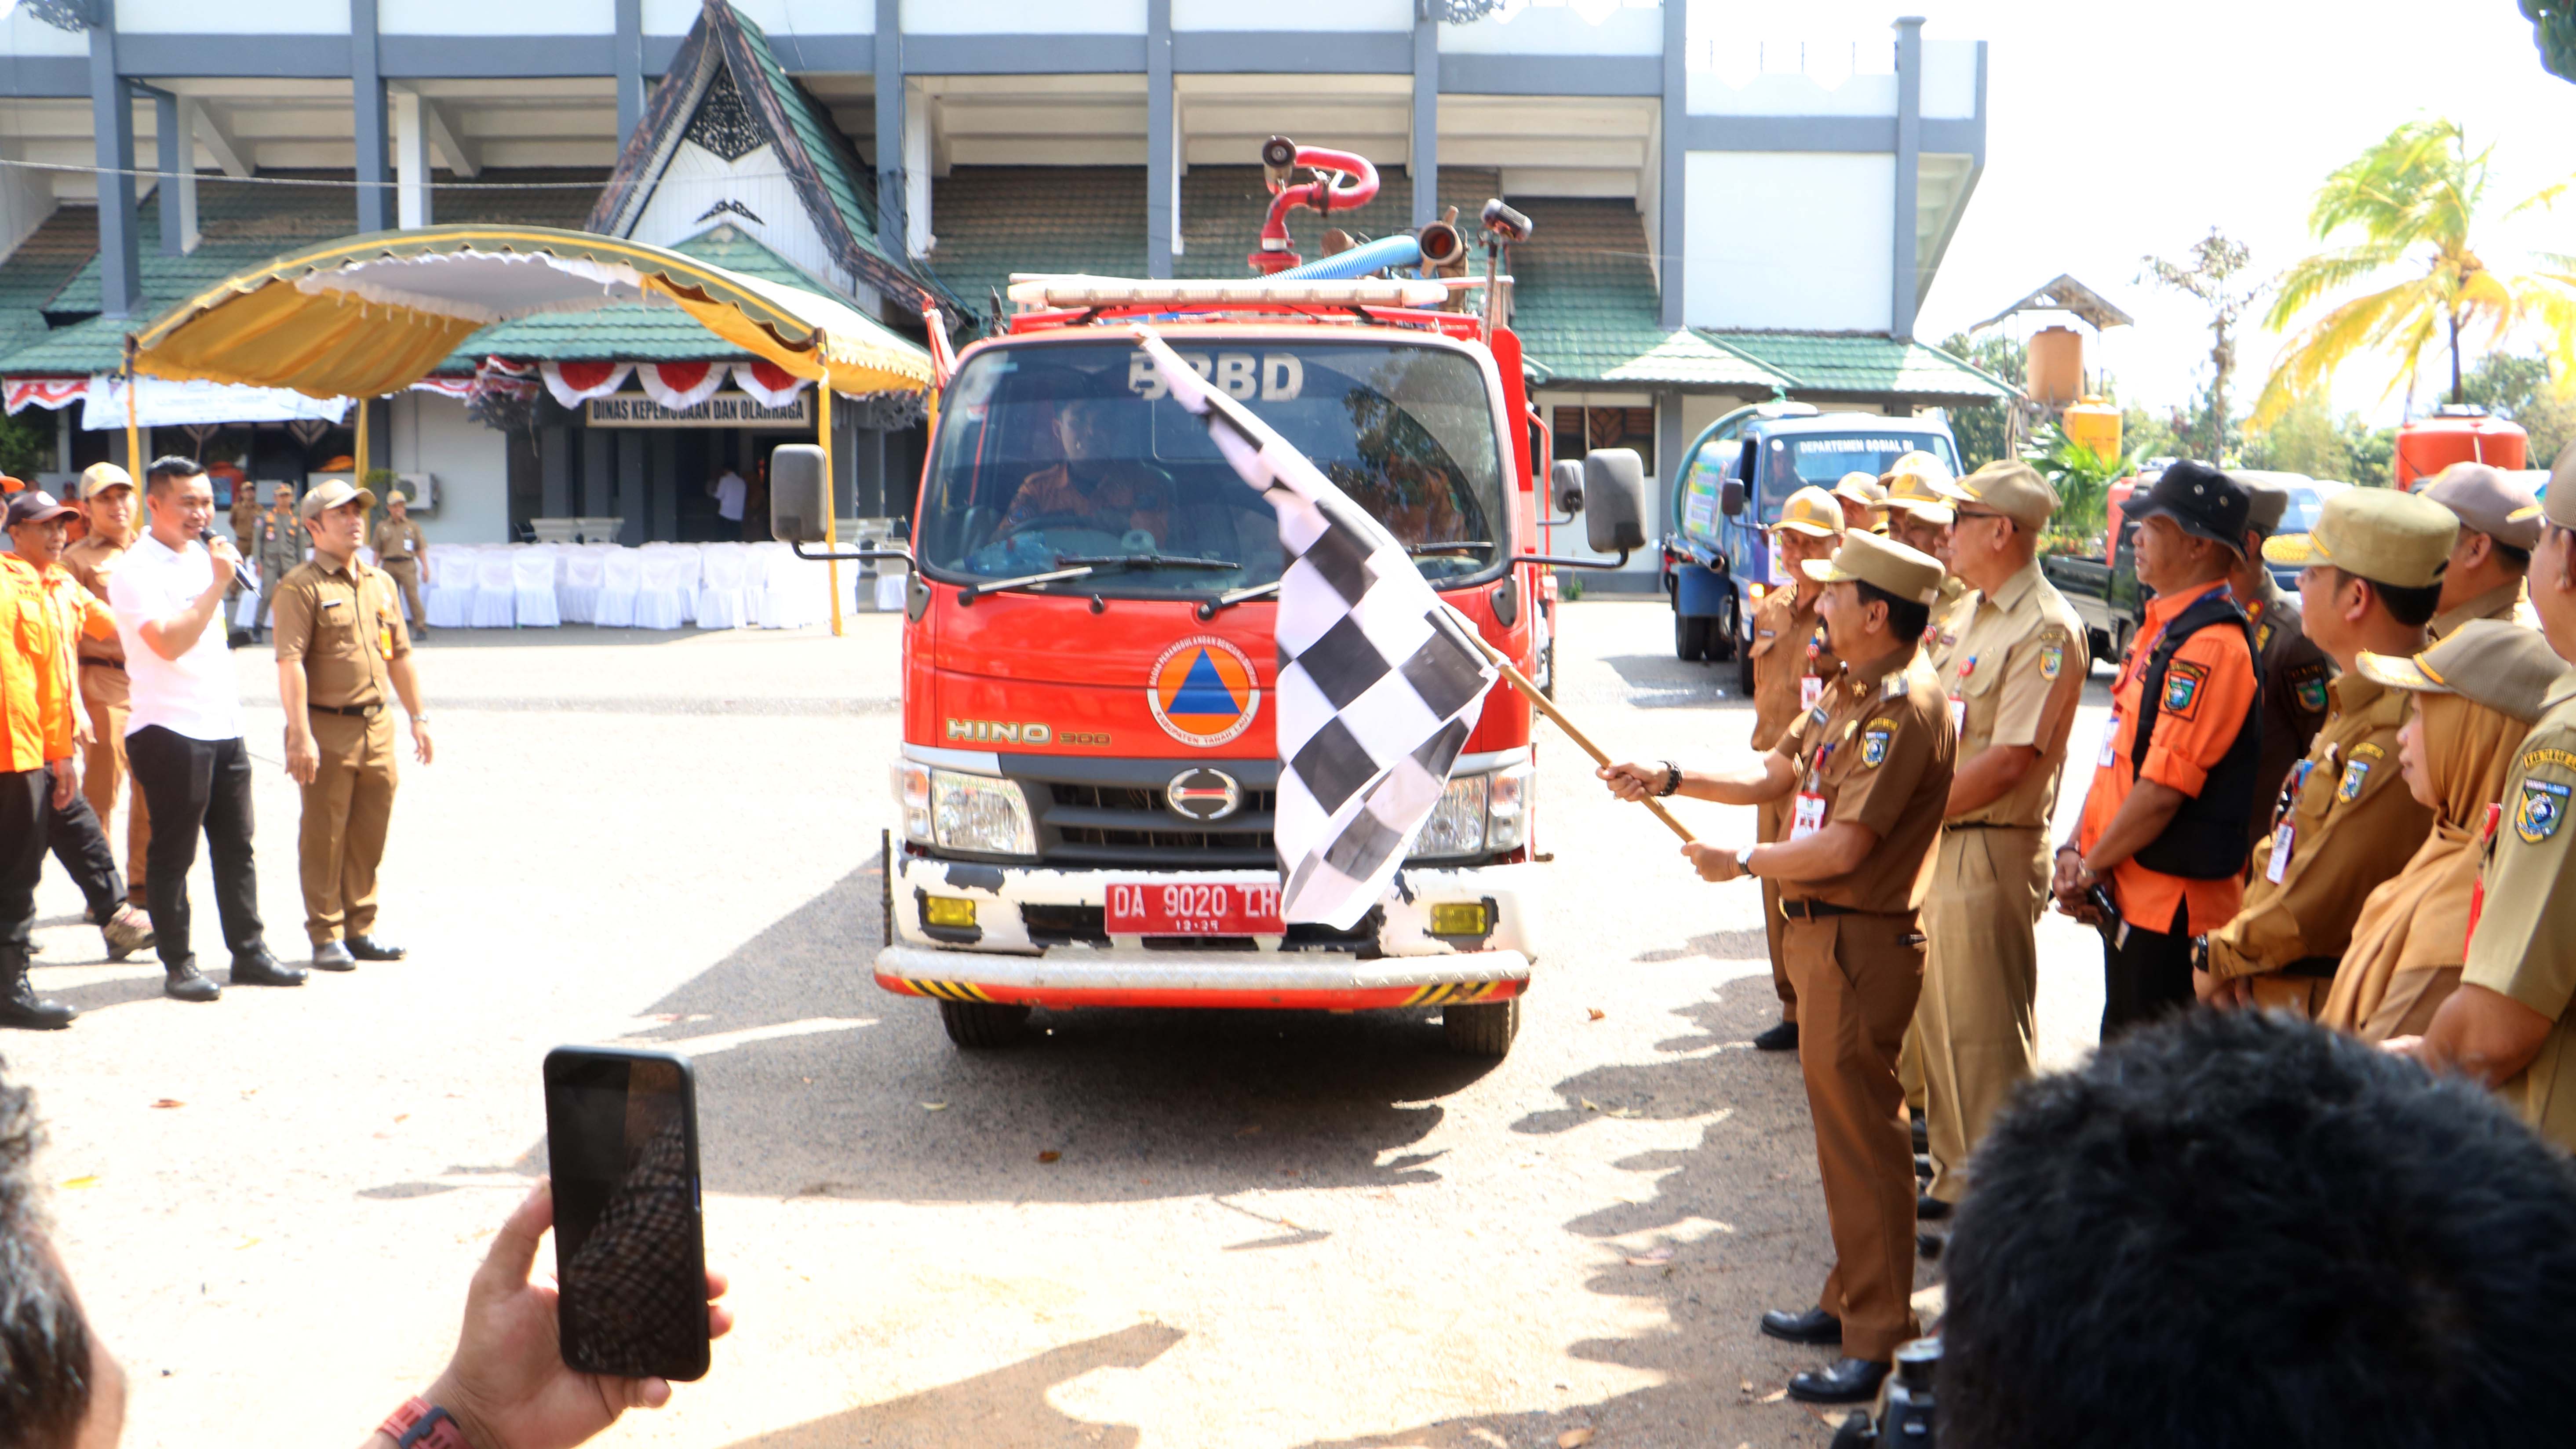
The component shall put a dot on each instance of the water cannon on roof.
(1343, 179)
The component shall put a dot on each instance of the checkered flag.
(1378, 682)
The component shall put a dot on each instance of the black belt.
(116, 664)
(1984, 825)
(1820, 910)
(351, 711)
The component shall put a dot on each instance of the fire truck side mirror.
(800, 496)
(1614, 500)
(1566, 485)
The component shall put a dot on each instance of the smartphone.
(630, 1243)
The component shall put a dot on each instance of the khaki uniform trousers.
(1858, 978)
(105, 692)
(346, 810)
(1978, 1023)
(1770, 823)
(405, 573)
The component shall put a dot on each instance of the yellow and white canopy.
(368, 315)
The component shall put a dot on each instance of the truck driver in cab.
(1094, 486)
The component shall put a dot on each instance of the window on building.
(1580, 430)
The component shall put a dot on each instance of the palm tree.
(2415, 198)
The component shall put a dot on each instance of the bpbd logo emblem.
(1203, 692)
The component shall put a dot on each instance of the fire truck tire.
(1690, 636)
(1481, 1028)
(984, 1025)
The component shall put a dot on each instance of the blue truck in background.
(1717, 559)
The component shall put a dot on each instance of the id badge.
(1809, 816)
(1958, 715)
(2110, 741)
(1810, 689)
(2282, 840)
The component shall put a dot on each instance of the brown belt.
(117, 665)
(350, 711)
(1821, 910)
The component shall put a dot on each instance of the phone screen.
(622, 1134)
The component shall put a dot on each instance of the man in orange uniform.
(2165, 825)
(39, 770)
(1791, 664)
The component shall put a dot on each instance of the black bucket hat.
(2201, 501)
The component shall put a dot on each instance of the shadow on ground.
(1005, 1409)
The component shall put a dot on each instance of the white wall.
(434, 435)
(1950, 79)
(1558, 30)
(232, 17)
(1023, 17)
(774, 17)
(1351, 15)
(492, 17)
(1789, 240)
(697, 179)
(26, 198)
(23, 34)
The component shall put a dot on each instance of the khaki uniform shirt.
(346, 625)
(1878, 749)
(2524, 941)
(2294, 673)
(1788, 650)
(2350, 825)
(397, 543)
(277, 540)
(2495, 603)
(93, 561)
(2000, 662)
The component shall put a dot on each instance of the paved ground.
(1262, 1230)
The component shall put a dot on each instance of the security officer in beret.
(1868, 772)
(2165, 823)
(277, 539)
(1860, 496)
(2012, 667)
(2512, 1023)
(1791, 664)
(2346, 821)
(342, 654)
(2294, 669)
(2499, 527)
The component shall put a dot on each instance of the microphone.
(206, 536)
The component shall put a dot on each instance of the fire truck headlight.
(980, 814)
(1457, 823)
(1507, 810)
(912, 791)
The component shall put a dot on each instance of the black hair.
(45, 1379)
(169, 467)
(1906, 619)
(2235, 1228)
(2515, 556)
(2413, 608)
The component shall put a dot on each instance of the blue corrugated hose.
(1359, 261)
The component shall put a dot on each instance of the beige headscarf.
(2412, 938)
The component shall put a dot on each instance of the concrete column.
(1672, 204)
(1162, 145)
(890, 178)
(181, 195)
(554, 472)
(168, 141)
(662, 482)
(111, 114)
(1424, 166)
(917, 116)
(367, 103)
(599, 472)
(1901, 302)
(1669, 442)
(630, 487)
(411, 159)
(628, 62)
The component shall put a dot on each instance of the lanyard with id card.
(1808, 816)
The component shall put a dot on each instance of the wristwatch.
(1672, 779)
(1744, 861)
(419, 1425)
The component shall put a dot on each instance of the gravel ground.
(1262, 1229)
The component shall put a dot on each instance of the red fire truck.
(1088, 768)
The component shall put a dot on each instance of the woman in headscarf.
(2477, 693)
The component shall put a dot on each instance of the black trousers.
(2146, 976)
(191, 785)
(23, 794)
(80, 843)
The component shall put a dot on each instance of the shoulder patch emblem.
(2560, 758)
(2182, 688)
(2263, 637)
(2355, 775)
(1873, 748)
(2367, 751)
(2308, 682)
(2542, 807)
(2052, 660)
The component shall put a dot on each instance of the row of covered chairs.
(657, 586)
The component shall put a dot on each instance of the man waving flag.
(1378, 680)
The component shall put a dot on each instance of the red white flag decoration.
(575, 383)
(46, 392)
(774, 385)
(459, 388)
(680, 386)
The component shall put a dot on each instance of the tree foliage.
(27, 444)
(2519, 386)
(2415, 200)
(2211, 276)
(2553, 32)
(2082, 478)
(1981, 430)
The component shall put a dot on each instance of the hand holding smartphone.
(630, 1242)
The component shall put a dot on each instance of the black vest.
(2206, 839)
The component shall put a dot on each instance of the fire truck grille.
(1112, 813)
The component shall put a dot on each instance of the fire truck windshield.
(1050, 452)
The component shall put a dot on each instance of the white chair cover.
(496, 590)
(670, 575)
(451, 587)
(722, 599)
(578, 596)
(757, 566)
(621, 573)
(533, 572)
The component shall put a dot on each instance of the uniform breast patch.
(2536, 815)
(1873, 748)
(2308, 682)
(2355, 775)
(2182, 688)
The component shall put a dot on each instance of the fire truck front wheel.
(1481, 1028)
(984, 1025)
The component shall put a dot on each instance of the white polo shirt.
(195, 694)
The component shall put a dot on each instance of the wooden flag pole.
(1546, 706)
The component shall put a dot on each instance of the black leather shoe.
(368, 948)
(332, 956)
(1813, 1326)
(1782, 1037)
(262, 969)
(1930, 1209)
(1846, 1381)
(21, 1007)
(187, 983)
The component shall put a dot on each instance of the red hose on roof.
(1343, 180)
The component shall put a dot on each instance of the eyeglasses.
(1965, 515)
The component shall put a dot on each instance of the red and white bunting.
(46, 392)
(455, 387)
(680, 386)
(575, 383)
(774, 385)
